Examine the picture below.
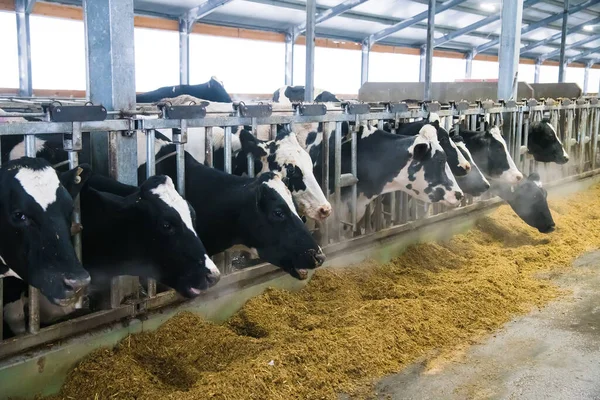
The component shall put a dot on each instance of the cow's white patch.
(558, 139)
(512, 174)
(462, 161)
(167, 193)
(277, 185)
(10, 273)
(367, 130)
(40, 184)
(433, 117)
(282, 97)
(210, 265)
(19, 150)
(427, 133)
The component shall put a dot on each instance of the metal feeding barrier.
(577, 123)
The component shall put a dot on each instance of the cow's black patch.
(294, 178)
(326, 97)
(211, 91)
(310, 138)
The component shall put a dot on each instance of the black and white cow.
(528, 199)
(254, 212)
(291, 94)
(456, 160)
(474, 183)
(287, 158)
(36, 206)
(544, 144)
(490, 153)
(386, 163)
(212, 90)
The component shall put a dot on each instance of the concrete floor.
(549, 354)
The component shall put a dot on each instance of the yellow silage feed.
(350, 326)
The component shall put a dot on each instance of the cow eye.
(19, 216)
(278, 214)
(167, 226)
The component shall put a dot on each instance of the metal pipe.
(354, 171)
(538, 67)
(250, 156)
(24, 48)
(586, 77)
(510, 43)
(34, 302)
(337, 176)
(429, 49)
(208, 146)
(325, 179)
(309, 88)
(364, 66)
(422, 61)
(150, 171)
(469, 65)
(289, 58)
(563, 41)
(227, 149)
(184, 51)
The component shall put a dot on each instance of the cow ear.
(74, 179)
(534, 177)
(250, 144)
(420, 151)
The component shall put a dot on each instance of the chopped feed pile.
(350, 326)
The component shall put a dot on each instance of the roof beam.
(540, 24)
(579, 43)
(474, 26)
(556, 36)
(390, 30)
(583, 55)
(330, 13)
(202, 11)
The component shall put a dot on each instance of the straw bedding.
(350, 326)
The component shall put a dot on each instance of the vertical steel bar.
(289, 58)
(24, 48)
(469, 65)
(311, 11)
(34, 301)
(519, 139)
(429, 48)
(563, 40)
(364, 65)
(354, 171)
(510, 44)
(586, 78)
(150, 171)
(208, 146)
(227, 163)
(422, 61)
(325, 180)
(595, 137)
(250, 156)
(337, 176)
(538, 67)
(184, 51)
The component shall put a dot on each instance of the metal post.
(586, 78)
(325, 179)
(111, 82)
(469, 65)
(184, 51)
(208, 146)
(289, 58)
(422, 64)
(337, 177)
(563, 40)
(150, 171)
(510, 44)
(309, 88)
(24, 48)
(34, 301)
(429, 49)
(364, 66)
(538, 67)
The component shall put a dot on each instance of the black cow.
(543, 143)
(212, 90)
(290, 94)
(387, 163)
(528, 199)
(254, 212)
(36, 206)
(489, 150)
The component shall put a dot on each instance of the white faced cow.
(544, 144)
(287, 158)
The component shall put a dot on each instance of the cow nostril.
(324, 212)
(458, 195)
(519, 177)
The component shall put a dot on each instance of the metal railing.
(577, 123)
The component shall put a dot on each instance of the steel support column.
(364, 66)
(289, 58)
(510, 43)
(184, 51)
(422, 62)
(538, 67)
(429, 49)
(309, 88)
(111, 82)
(586, 77)
(563, 41)
(469, 65)
(24, 48)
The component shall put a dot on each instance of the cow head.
(459, 165)
(490, 152)
(36, 206)
(529, 200)
(543, 143)
(218, 92)
(278, 234)
(428, 172)
(474, 183)
(286, 157)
